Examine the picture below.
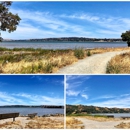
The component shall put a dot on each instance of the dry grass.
(102, 50)
(119, 64)
(36, 63)
(123, 125)
(101, 119)
(72, 123)
(9, 125)
(35, 123)
(45, 123)
(44, 61)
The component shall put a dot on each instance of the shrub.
(88, 53)
(79, 53)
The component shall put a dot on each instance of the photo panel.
(97, 101)
(32, 101)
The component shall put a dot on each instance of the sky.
(98, 90)
(31, 90)
(70, 19)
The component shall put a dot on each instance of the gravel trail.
(95, 64)
(91, 124)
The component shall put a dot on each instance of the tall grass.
(119, 64)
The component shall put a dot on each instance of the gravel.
(95, 64)
(90, 124)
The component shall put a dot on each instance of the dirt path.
(90, 124)
(95, 64)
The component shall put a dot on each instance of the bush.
(88, 53)
(79, 53)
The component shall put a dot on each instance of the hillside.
(76, 109)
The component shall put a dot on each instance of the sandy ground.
(91, 124)
(22, 119)
(95, 64)
(22, 123)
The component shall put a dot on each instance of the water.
(61, 45)
(116, 115)
(26, 111)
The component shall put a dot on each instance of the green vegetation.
(88, 53)
(79, 110)
(79, 53)
(8, 20)
(126, 37)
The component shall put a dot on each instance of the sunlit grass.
(72, 123)
(30, 60)
(119, 64)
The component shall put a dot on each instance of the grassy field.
(29, 60)
(119, 64)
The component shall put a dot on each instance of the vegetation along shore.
(30, 60)
(38, 122)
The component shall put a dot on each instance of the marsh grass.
(35, 61)
(119, 64)
(30, 60)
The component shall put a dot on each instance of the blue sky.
(31, 90)
(68, 19)
(98, 90)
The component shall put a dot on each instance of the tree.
(126, 37)
(8, 21)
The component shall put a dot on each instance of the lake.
(26, 111)
(61, 45)
(116, 115)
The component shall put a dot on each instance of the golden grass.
(10, 124)
(35, 123)
(123, 125)
(102, 50)
(119, 64)
(44, 61)
(101, 119)
(39, 63)
(72, 123)
(45, 123)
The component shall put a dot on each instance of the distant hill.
(71, 39)
(78, 109)
(42, 106)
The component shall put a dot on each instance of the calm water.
(62, 45)
(116, 115)
(26, 111)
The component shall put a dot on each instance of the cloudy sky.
(31, 90)
(99, 90)
(67, 19)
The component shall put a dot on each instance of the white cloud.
(28, 99)
(118, 101)
(72, 93)
(85, 96)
